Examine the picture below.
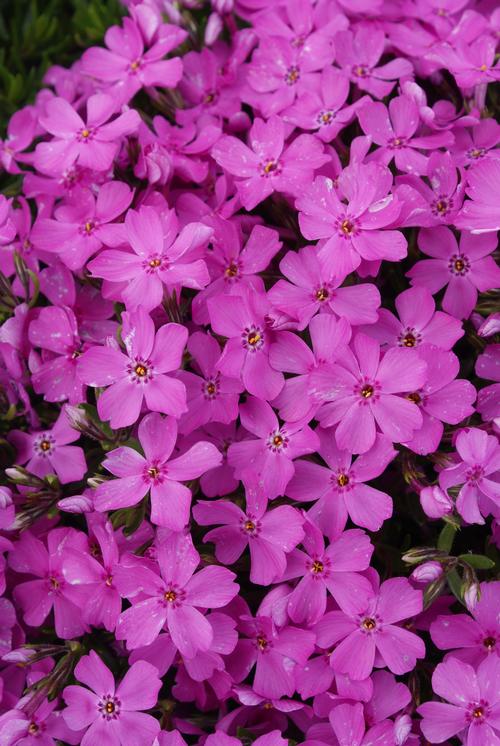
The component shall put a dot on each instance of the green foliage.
(35, 34)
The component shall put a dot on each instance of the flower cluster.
(250, 381)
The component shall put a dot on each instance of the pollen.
(85, 133)
(342, 480)
(153, 472)
(249, 525)
(135, 65)
(110, 708)
(347, 227)
(270, 167)
(459, 265)
(45, 445)
(489, 643)
(442, 206)
(322, 294)
(154, 263)
(211, 388)
(369, 624)
(360, 71)
(170, 596)
(414, 397)
(253, 338)
(477, 712)
(409, 340)
(317, 567)
(262, 643)
(367, 391)
(292, 75)
(278, 441)
(109, 581)
(33, 729)
(141, 370)
(232, 270)
(483, 67)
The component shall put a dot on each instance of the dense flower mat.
(250, 381)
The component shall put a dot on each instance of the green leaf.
(477, 561)
(455, 584)
(447, 537)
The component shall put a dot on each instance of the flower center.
(483, 67)
(33, 729)
(317, 567)
(369, 624)
(347, 227)
(109, 581)
(459, 265)
(262, 642)
(325, 117)
(232, 270)
(210, 389)
(476, 153)
(277, 441)
(397, 142)
(270, 167)
(442, 206)
(489, 643)
(153, 472)
(170, 596)
(109, 707)
(54, 583)
(292, 75)
(89, 227)
(154, 263)
(322, 294)
(249, 526)
(141, 370)
(253, 338)
(210, 98)
(135, 65)
(414, 397)
(367, 391)
(478, 712)
(360, 71)
(474, 475)
(45, 445)
(342, 480)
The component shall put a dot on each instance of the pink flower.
(349, 726)
(20, 134)
(171, 599)
(470, 64)
(340, 490)
(56, 376)
(358, 53)
(267, 459)
(363, 629)
(353, 230)
(112, 713)
(162, 256)
(83, 224)
(93, 144)
(313, 286)
(269, 535)
(474, 697)
(211, 397)
(47, 451)
(362, 390)
(393, 130)
(268, 165)
(50, 590)
(464, 269)
(481, 214)
(479, 460)
(334, 569)
(243, 319)
(472, 638)
(126, 68)
(140, 373)
(155, 473)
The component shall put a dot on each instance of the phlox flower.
(140, 373)
(269, 165)
(7, 226)
(339, 490)
(334, 569)
(363, 391)
(464, 268)
(83, 224)
(47, 451)
(474, 144)
(92, 143)
(476, 471)
(170, 599)
(112, 713)
(353, 230)
(20, 133)
(44, 727)
(472, 701)
(480, 214)
(162, 256)
(472, 638)
(126, 68)
(349, 726)
(270, 535)
(268, 458)
(156, 473)
(50, 590)
(470, 64)
(312, 286)
(363, 629)
(488, 398)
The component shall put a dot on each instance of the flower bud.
(435, 502)
(5, 497)
(427, 572)
(471, 596)
(490, 326)
(76, 504)
(213, 29)
(402, 729)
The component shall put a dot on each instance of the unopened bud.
(402, 729)
(76, 504)
(435, 502)
(490, 326)
(422, 554)
(5, 497)
(213, 29)
(471, 596)
(427, 572)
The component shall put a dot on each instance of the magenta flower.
(92, 144)
(471, 64)
(472, 702)
(340, 490)
(47, 451)
(363, 629)
(56, 375)
(353, 230)
(465, 269)
(418, 322)
(162, 256)
(211, 396)
(50, 591)
(7, 227)
(140, 373)
(44, 727)
(83, 224)
(170, 600)
(348, 723)
(277, 654)
(267, 165)
(126, 67)
(243, 319)
(362, 391)
(155, 473)
(267, 459)
(112, 713)
(393, 130)
(313, 286)
(221, 480)
(334, 569)
(434, 203)
(472, 145)
(442, 398)
(358, 53)
(472, 638)
(20, 134)
(480, 214)
(269, 535)
(479, 460)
